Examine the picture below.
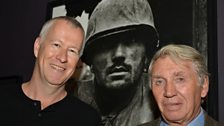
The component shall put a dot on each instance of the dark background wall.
(220, 34)
(21, 21)
(19, 25)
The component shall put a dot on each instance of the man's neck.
(197, 120)
(46, 96)
(113, 101)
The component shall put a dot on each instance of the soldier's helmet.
(119, 17)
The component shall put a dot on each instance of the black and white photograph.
(121, 37)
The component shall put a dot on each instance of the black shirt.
(17, 109)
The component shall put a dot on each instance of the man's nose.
(118, 54)
(62, 56)
(170, 90)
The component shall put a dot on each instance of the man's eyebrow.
(156, 76)
(180, 73)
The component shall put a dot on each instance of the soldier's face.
(119, 65)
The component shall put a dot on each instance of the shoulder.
(81, 109)
(9, 88)
(72, 101)
(152, 123)
(11, 82)
(209, 121)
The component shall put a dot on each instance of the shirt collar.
(198, 121)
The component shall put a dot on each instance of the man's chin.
(120, 84)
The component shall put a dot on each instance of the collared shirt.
(198, 121)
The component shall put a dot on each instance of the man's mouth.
(58, 68)
(173, 106)
(118, 69)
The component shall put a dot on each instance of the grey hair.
(50, 23)
(183, 52)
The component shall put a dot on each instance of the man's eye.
(179, 79)
(56, 45)
(74, 51)
(158, 81)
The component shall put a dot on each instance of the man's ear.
(205, 87)
(36, 46)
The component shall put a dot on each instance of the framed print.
(176, 21)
